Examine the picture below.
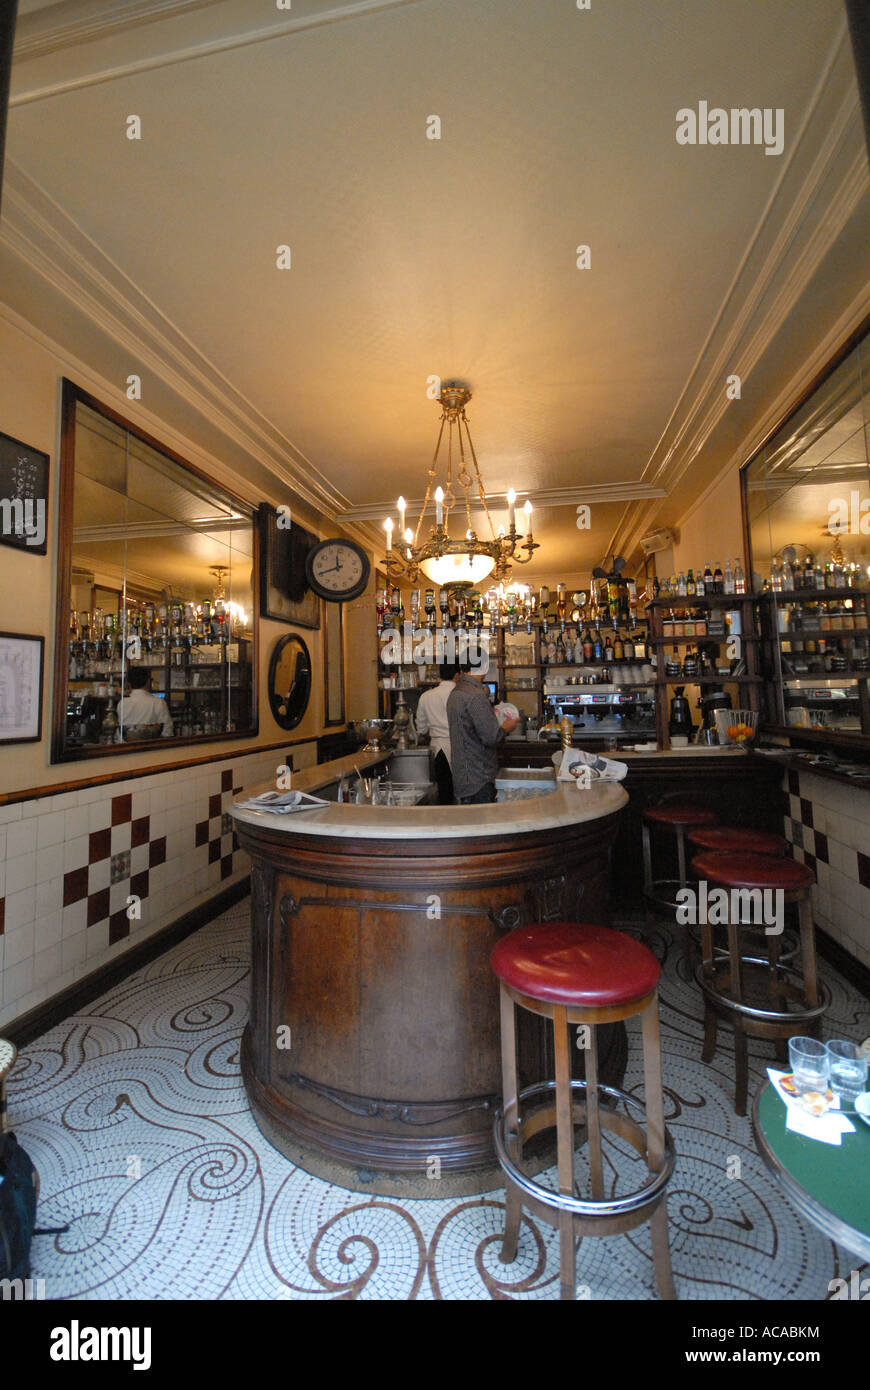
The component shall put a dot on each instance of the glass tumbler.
(848, 1071)
(809, 1064)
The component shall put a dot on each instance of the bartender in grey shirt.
(475, 734)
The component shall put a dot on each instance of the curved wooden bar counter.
(373, 1043)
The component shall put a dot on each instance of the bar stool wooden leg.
(741, 1054)
(513, 1208)
(565, 1147)
(708, 1050)
(647, 861)
(655, 1143)
(808, 950)
(681, 855)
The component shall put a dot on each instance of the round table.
(827, 1183)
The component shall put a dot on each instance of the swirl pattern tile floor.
(134, 1113)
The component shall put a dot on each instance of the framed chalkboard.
(23, 496)
(284, 593)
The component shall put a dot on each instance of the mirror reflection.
(159, 602)
(289, 681)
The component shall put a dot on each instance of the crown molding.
(41, 234)
(44, 36)
(545, 497)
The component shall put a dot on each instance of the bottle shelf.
(702, 600)
(708, 680)
(815, 595)
(703, 637)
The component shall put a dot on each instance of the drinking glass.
(848, 1071)
(809, 1064)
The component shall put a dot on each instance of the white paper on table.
(602, 769)
(828, 1128)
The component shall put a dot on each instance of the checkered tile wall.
(86, 874)
(828, 824)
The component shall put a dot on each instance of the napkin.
(828, 1128)
(281, 803)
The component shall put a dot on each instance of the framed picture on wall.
(23, 496)
(284, 593)
(21, 660)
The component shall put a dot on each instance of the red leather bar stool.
(676, 816)
(729, 839)
(797, 999)
(579, 974)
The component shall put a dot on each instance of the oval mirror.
(289, 681)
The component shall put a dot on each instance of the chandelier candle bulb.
(512, 502)
(439, 506)
(388, 527)
(401, 506)
(527, 508)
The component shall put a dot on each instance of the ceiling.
(414, 258)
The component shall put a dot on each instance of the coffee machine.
(680, 723)
(708, 705)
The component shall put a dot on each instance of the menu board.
(20, 687)
(23, 496)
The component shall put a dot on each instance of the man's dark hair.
(447, 670)
(138, 677)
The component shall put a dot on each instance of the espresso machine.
(602, 710)
(708, 705)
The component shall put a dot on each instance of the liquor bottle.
(656, 588)
(690, 663)
(579, 650)
(682, 588)
(444, 606)
(739, 581)
(597, 646)
(690, 584)
(787, 577)
(560, 650)
(608, 649)
(818, 576)
(718, 580)
(561, 604)
(807, 577)
(627, 648)
(588, 646)
(429, 608)
(709, 587)
(775, 576)
(618, 648)
(673, 665)
(728, 581)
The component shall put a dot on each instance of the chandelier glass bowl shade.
(464, 558)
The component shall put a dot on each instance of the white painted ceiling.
(414, 257)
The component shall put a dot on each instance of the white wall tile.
(88, 795)
(99, 875)
(73, 950)
(158, 799)
(121, 835)
(118, 895)
(141, 803)
(48, 964)
(19, 945)
(75, 822)
(49, 896)
(51, 830)
(8, 814)
(75, 853)
(139, 858)
(844, 860)
(21, 838)
(49, 862)
(48, 931)
(17, 981)
(20, 873)
(20, 909)
(75, 918)
(64, 801)
(100, 814)
(98, 939)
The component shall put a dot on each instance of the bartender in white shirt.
(140, 707)
(432, 720)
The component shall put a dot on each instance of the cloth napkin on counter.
(574, 760)
(828, 1128)
(282, 803)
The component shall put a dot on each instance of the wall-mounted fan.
(618, 565)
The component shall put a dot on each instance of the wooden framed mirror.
(289, 682)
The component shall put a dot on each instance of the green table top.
(829, 1184)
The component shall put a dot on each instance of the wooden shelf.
(704, 600)
(814, 595)
(705, 637)
(708, 680)
(848, 675)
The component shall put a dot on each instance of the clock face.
(337, 570)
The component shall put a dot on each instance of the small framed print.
(21, 662)
(23, 496)
(285, 595)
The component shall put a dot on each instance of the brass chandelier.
(464, 559)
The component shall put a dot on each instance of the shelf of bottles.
(703, 633)
(528, 636)
(818, 636)
(198, 661)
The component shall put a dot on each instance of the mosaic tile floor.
(135, 1116)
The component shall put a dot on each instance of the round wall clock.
(337, 569)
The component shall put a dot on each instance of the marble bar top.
(565, 805)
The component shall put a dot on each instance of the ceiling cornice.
(819, 188)
(543, 497)
(37, 230)
(41, 38)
